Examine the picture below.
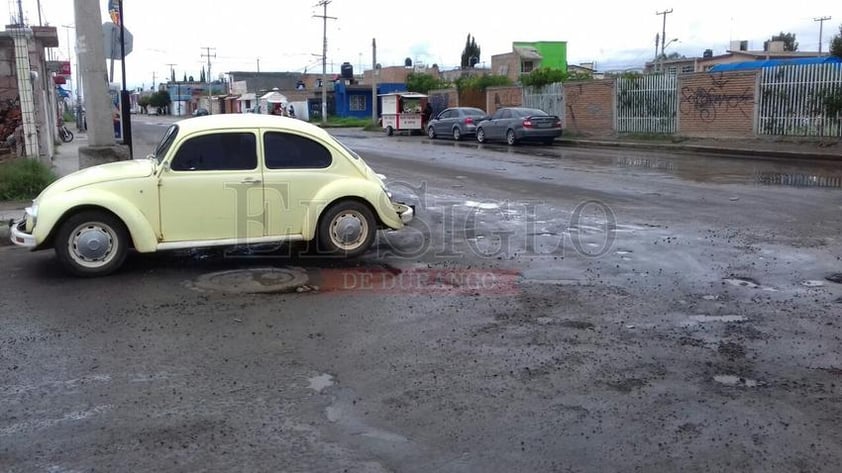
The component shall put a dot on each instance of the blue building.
(354, 100)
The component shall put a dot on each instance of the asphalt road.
(551, 309)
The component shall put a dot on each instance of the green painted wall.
(554, 53)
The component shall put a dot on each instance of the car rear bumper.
(538, 133)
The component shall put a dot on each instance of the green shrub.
(23, 179)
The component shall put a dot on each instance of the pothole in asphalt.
(253, 280)
(836, 277)
(747, 282)
(731, 380)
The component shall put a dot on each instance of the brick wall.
(590, 107)
(716, 105)
(507, 64)
(498, 97)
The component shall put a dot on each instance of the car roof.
(248, 120)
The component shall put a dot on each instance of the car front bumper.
(19, 236)
(405, 212)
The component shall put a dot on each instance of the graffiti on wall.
(706, 102)
(439, 101)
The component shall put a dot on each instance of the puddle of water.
(812, 283)
(709, 298)
(731, 380)
(481, 205)
(749, 283)
(320, 382)
(623, 252)
(717, 318)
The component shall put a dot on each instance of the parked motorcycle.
(65, 134)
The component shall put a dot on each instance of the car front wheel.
(480, 135)
(92, 243)
(347, 229)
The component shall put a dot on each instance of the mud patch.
(731, 350)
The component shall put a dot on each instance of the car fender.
(363, 190)
(142, 234)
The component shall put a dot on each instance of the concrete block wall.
(717, 105)
(590, 107)
(498, 97)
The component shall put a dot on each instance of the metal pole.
(125, 102)
(324, 63)
(373, 81)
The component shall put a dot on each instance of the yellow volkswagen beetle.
(219, 180)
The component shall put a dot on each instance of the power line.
(821, 32)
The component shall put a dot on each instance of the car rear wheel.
(431, 132)
(92, 243)
(510, 138)
(480, 135)
(390, 131)
(347, 229)
(457, 134)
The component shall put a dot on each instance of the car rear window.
(289, 151)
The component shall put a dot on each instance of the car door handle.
(250, 180)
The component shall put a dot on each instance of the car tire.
(431, 133)
(480, 135)
(511, 140)
(390, 131)
(346, 229)
(457, 134)
(91, 243)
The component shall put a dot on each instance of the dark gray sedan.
(515, 124)
(456, 122)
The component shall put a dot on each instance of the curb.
(706, 149)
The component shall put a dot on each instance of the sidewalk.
(791, 148)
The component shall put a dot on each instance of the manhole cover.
(253, 280)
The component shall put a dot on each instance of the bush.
(23, 179)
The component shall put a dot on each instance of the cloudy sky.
(283, 35)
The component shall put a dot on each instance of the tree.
(185, 78)
(423, 83)
(471, 53)
(836, 44)
(172, 75)
(202, 77)
(480, 83)
(160, 99)
(789, 41)
(543, 76)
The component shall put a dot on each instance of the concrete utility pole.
(207, 54)
(373, 80)
(821, 30)
(92, 65)
(324, 17)
(664, 30)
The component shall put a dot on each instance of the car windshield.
(166, 142)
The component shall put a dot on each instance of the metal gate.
(647, 104)
(801, 100)
(549, 98)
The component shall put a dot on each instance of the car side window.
(446, 114)
(288, 151)
(503, 114)
(217, 152)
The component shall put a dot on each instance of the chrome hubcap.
(92, 243)
(348, 230)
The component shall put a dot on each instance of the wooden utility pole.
(324, 17)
